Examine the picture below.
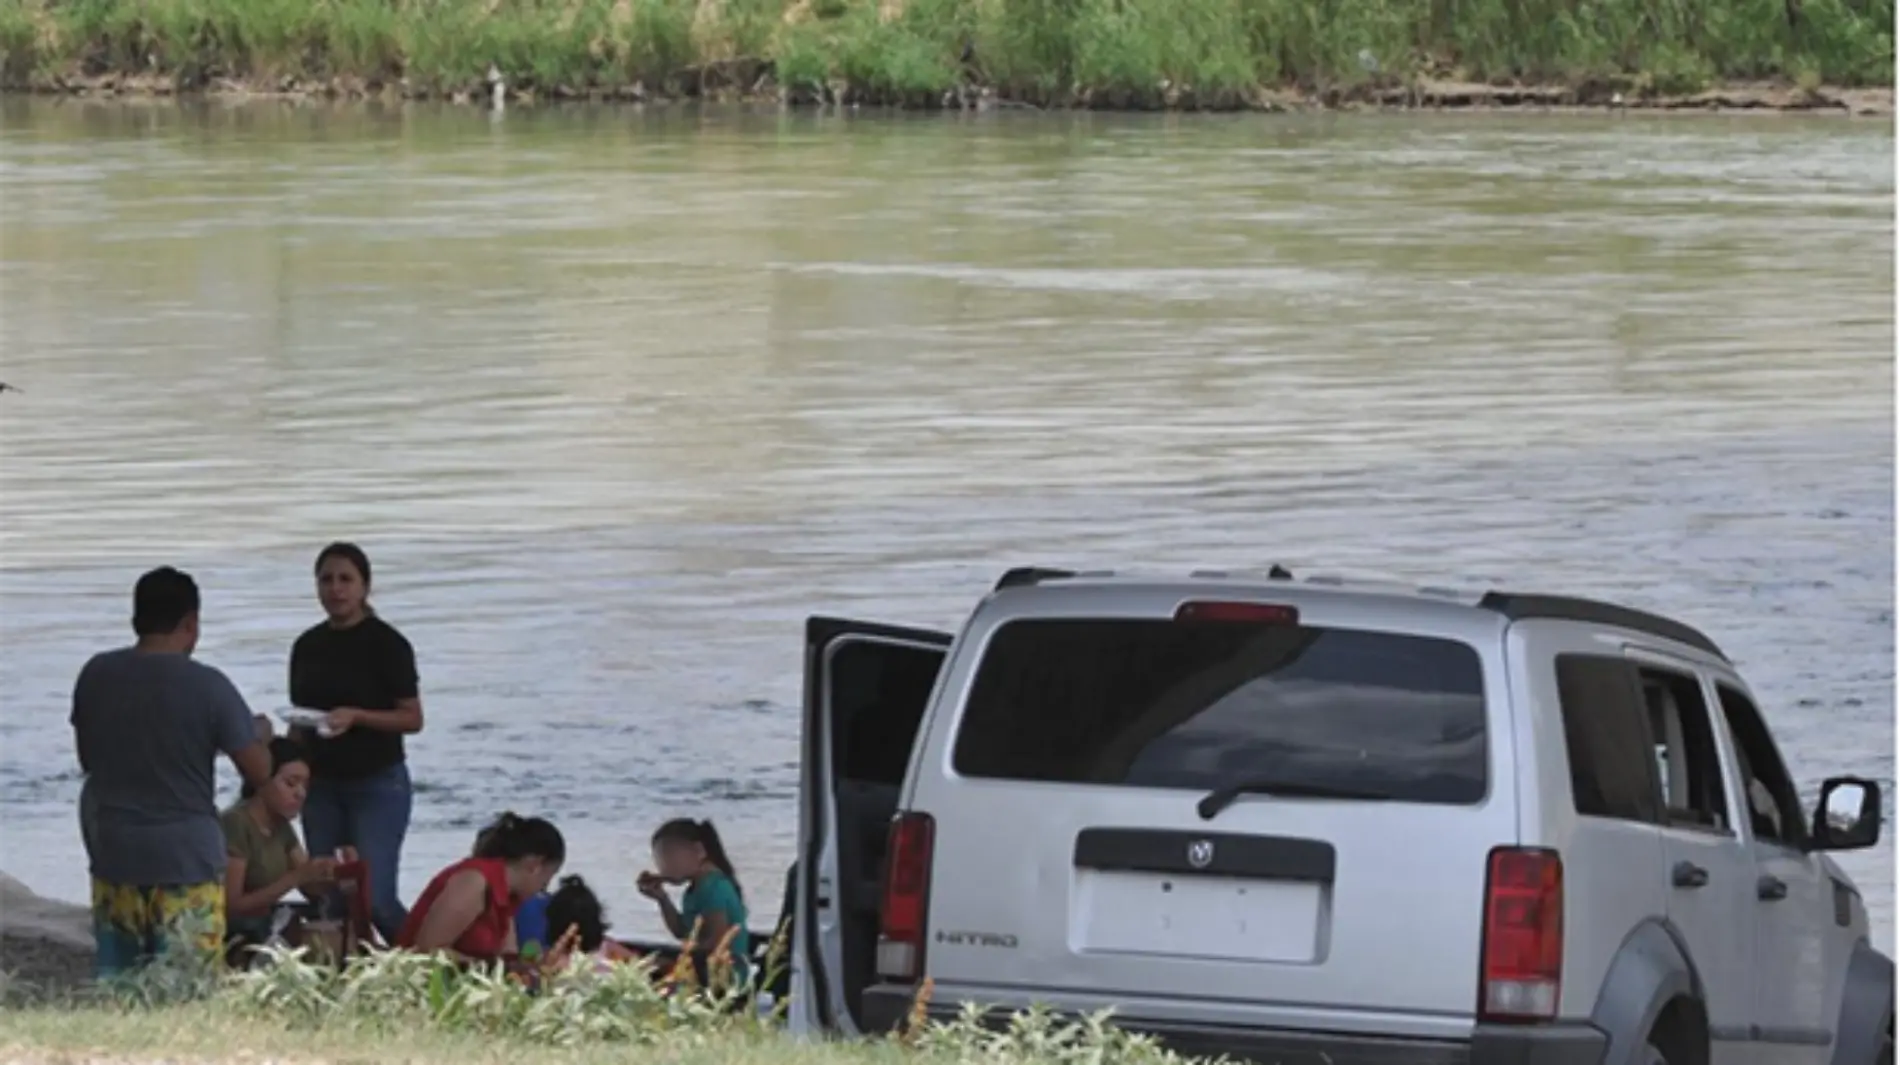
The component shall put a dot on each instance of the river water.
(615, 400)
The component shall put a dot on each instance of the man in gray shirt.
(149, 723)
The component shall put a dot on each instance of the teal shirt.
(716, 893)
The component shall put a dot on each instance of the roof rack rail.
(1518, 607)
(1026, 575)
(1275, 572)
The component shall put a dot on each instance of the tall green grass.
(404, 1006)
(1054, 52)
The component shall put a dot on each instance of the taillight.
(1254, 613)
(1523, 935)
(900, 940)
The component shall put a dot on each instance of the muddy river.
(615, 400)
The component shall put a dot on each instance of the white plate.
(297, 717)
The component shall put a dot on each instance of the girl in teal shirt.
(689, 852)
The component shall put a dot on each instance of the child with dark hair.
(575, 908)
(689, 852)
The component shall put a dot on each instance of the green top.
(266, 855)
(715, 892)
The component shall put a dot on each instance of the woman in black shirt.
(362, 672)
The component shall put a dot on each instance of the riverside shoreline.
(1738, 98)
(1826, 56)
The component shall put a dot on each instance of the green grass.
(1136, 53)
(207, 1033)
(419, 1008)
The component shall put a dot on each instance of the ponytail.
(511, 838)
(687, 830)
(716, 854)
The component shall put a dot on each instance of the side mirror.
(1847, 817)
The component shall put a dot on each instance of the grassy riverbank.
(203, 1034)
(417, 1008)
(1114, 53)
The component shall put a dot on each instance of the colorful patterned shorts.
(131, 925)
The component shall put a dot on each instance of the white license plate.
(1217, 918)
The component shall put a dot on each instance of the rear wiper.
(1222, 797)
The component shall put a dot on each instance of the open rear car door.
(867, 687)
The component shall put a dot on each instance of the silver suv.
(1301, 821)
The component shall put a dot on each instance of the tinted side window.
(1774, 809)
(1606, 735)
(1199, 705)
(1687, 756)
(878, 697)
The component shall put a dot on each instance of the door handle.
(1689, 875)
(1771, 889)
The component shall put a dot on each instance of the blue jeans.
(371, 814)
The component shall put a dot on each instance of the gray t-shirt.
(149, 728)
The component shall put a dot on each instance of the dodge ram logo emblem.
(1201, 853)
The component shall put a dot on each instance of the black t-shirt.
(368, 665)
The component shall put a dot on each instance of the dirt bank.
(1421, 96)
(45, 945)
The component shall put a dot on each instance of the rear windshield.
(1199, 706)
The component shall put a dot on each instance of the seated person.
(531, 918)
(689, 852)
(468, 911)
(531, 924)
(577, 921)
(265, 861)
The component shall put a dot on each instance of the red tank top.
(486, 937)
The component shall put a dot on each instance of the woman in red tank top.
(468, 910)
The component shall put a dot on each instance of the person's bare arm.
(258, 903)
(237, 729)
(405, 719)
(713, 926)
(674, 920)
(253, 764)
(240, 903)
(454, 910)
(314, 885)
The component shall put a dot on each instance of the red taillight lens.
(1255, 613)
(900, 941)
(1523, 935)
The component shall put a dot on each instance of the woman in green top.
(689, 852)
(264, 860)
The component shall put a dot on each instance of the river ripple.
(616, 400)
